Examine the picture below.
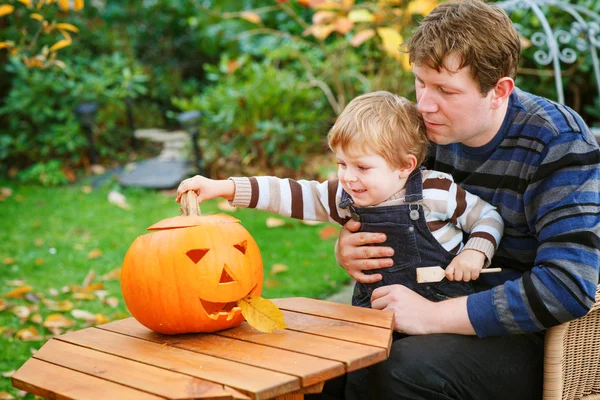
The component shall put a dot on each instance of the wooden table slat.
(338, 329)
(125, 372)
(345, 312)
(253, 381)
(309, 369)
(353, 355)
(54, 382)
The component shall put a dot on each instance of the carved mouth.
(222, 310)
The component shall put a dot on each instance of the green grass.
(47, 233)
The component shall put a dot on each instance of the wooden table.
(125, 360)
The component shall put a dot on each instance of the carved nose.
(226, 275)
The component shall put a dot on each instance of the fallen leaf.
(362, 37)
(273, 222)
(94, 254)
(112, 275)
(3, 305)
(22, 312)
(6, 192)
(112, 302)
(8, 374)
(278, 268)
(83, 296)
(28, 334)
(6, 396)
(39, 242)
(271, 283)
(261, 314)
(36, 318)
(39, 261)
(86, 189)
(53, 292)
(311, 222)
(9, 260)
(55, 322)
(82, 314)
(329, 232)
(89, 278)
(15, 282)
(63, 305)
(19, 292)
(118, 199)
(224, 205)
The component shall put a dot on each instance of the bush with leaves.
(259, 115)
(39, 111)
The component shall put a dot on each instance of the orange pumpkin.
(188, 275)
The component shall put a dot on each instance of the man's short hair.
(381, 123)
(481, 34)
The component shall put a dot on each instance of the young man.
(538, 163)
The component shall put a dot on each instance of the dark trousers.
(444, 367)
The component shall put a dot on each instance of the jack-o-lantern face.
(189, 275)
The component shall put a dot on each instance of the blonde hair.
(481, 34)
(384, 123)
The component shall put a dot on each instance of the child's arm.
(485, 225)
(207, 189)
(300, 199)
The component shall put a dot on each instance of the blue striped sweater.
(542, 172)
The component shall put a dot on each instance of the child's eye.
(362, 168)
(341, 164)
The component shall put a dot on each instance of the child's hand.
(206, 189)
(466, 266)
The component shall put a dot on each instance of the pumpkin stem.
(188, 205)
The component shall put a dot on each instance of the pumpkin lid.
(192, 220)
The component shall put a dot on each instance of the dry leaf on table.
(261, 314)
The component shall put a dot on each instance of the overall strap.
(414, 186)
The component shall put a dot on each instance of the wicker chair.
(572, 358)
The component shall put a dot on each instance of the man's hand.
(466, 266)
(355, 256)
(415, 315)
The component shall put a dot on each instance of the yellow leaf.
(26, 2)
(59, 45)
(9, 260)
(422, 7)
(58, 321)
(361, 16)
(278, 268)
(3, 305)
(36, 16)
(391, 41)
(19, 292)
(6, 396)
(94, 254)
(64, 5)
(67, 27)
(251, 17)
(6, 9)
(326, 5)
(63, 305)
(343, 25)
(261, 314)
(362, 37)
(112, 275)
(323, 17)
(273, 222)
(329, 232)
(28, 334)
(5, 45)
(82, 314)
(78, 5)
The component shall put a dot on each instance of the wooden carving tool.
(436, 274)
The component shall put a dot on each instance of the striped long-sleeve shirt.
(450, 210)
(542, 172)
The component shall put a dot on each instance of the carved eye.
(196, 254)
(242, 246)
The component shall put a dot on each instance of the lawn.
(61, 250)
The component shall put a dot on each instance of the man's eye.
(445, 91)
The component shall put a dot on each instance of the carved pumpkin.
(188, 275)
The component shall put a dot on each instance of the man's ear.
(411, 164)
(500, 93)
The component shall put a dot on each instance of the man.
(538, 163)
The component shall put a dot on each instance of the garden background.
(268, 76)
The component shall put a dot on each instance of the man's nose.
(426, 101)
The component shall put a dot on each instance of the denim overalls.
(413, 243)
